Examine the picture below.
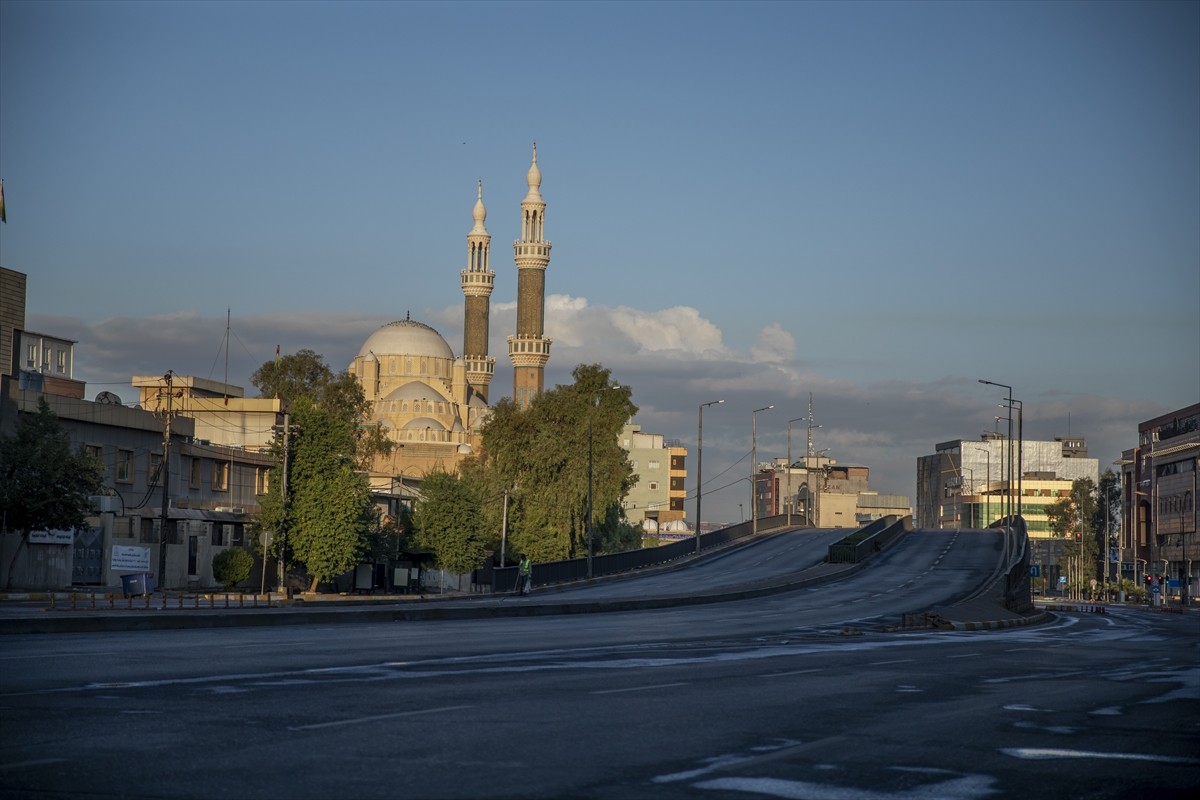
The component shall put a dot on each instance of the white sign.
(134, 559)
(51, 537)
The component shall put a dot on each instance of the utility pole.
(283, 507)
(166, 480)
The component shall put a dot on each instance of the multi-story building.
(1158, 481)
(967, 480)
(823, 493)
(656, 502)
(221, 412)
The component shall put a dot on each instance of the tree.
(540, 455)
(1074, 519)
(329, 512)
(231, 567)
(43, 484)
(327, 521)
(305, 374)
(449, 521)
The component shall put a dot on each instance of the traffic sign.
(1035, 570)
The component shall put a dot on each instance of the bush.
(232, 566)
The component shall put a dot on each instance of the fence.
(504, 579)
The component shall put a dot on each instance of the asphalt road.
(756, 698)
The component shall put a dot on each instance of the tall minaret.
(529, 349)
(477, 283)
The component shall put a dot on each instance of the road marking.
(1043, 753)
(966, 655)
(967, 787)
(793, 672)
(376, 718)
(897, 661)
(639, 688)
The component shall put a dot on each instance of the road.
(766, 698)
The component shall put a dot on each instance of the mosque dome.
(406, 337)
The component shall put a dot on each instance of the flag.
(3, 216)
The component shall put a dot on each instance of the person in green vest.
(525, 576)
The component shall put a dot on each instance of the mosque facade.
(428, 401)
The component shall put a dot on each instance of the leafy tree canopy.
(540, 455)
(304, 374)
(44, 485)
(449, 520)
(329, 510)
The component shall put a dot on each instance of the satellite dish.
(108, 398)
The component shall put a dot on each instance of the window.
(653, 464)
(153, 465)
(125, 466)
(31, 356)
(262, 480)
(62, 360)
(194, 474)
(95, 452)
(46, 358)
(220, 476)
(653, 486)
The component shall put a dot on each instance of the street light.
(700, 465)
(1020, 453)
(791, 495)
(1008, 492)
(754, 468)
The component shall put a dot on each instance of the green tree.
(305, 374)
(231, 567)
(329, 513)
(44, 485)
(540, 455)
(323, 517)
(448, 521)
(1074, 519)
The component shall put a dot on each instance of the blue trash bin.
(137, 583)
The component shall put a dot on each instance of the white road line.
(897, 661)
(793, 672)
(1041, 753)
(639, 688)
(376, 718)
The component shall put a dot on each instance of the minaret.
(477, 283)
(529, 349)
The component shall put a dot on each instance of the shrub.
(232, 566)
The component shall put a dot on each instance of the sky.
(878, 204)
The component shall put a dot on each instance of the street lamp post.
(754, 468)
(700, 465)
(791, 495)
(1008, 492)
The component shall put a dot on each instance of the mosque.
(432, 403)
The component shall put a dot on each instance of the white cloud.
(773, 344)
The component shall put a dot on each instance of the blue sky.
(878, 203)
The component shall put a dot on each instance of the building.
(529, 348)
(822, 493)
(656, 501)
(966, 480)
(1158, 483)
(965, 484)
(221, 412)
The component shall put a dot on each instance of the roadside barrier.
(202, 601)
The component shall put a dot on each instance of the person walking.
(525, 576)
